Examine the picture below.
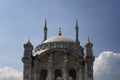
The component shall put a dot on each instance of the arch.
(43, 74)
(72, 74)
(58, 74)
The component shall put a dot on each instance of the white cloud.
(107, 66)
(8, 73)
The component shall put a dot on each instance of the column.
(86, 76)
(90, 71)
(80, 74)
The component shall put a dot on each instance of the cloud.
(107, 66)
(8, 73)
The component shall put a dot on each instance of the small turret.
(77, 33)
(89, 59)
(27, 61)
(28, 47)
(45, 30)
(88, 48)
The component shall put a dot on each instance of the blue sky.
(20, 19)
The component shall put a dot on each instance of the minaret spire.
(77, 32)
(45, 30)
(88, 41)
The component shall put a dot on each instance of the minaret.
(45, 30)
(88, 48)
(77, 32)
(28, 47)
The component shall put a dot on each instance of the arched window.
(43, 74)
(72, 74)
(58, 74)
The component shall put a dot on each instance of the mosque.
(58, 58)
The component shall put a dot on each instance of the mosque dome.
(58, 39)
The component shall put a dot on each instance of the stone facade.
(58, 58)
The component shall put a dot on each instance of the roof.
(58, 39)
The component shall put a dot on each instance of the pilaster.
(65, 71)
(36, 71)
(80, 69)
(50, 67)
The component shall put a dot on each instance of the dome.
(58, 39)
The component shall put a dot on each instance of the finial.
(28, 39)
(76, 22)
(59, 33)
(45, 23)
